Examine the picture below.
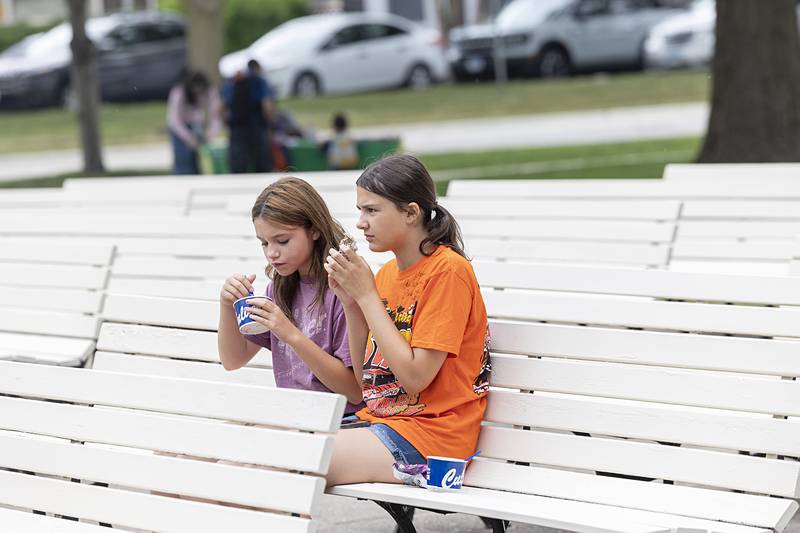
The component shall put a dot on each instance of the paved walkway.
(552, 129)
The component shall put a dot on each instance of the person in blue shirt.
(250, 108)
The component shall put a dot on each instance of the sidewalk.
(529, 131)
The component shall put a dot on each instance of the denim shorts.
(402, 450)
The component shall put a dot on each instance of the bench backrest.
(102, 429)
(170, 337)
(54, 289)
(722, 172)
(636, 189)
(687, 392)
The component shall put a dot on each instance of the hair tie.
(434, 209)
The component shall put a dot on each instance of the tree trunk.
(204, 28)
(451, 14)
(85, 86)
(755, 111)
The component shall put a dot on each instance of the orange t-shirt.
(436, 304)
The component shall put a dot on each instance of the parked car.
(140, 56)
(683, 41)
(554, 38)
(343, 53)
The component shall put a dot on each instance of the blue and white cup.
(248, 326)
(445, 473)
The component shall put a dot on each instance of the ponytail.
(442, 229)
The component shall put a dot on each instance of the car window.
(348, 35)
(124, 36)
(590, 8)
(377, 31)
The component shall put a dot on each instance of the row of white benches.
(620, 372)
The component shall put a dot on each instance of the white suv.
(552, 38)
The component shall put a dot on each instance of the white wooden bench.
(169, 337)
(115, 449)
(723, 172)
(50, 297)
(622, 189)
(747, 236)
(603, 373)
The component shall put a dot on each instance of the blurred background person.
(250, 106)
(193, 117)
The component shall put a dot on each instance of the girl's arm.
(330, 370)
(234, 350)
(357, 333)
(415, 368)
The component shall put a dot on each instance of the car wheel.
(419, 78)
(307, 86)
(554, 63)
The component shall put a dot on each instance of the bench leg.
(402, 515)
(495, 524)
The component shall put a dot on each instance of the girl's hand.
(351, 273)
(344, 298)
(266, 312)
(235, 287)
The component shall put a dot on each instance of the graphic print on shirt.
(383, 393)
(481, 385)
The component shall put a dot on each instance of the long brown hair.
(293, 202)
(403, 179)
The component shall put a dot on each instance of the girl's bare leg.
(360, 457)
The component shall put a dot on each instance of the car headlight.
(680, 38)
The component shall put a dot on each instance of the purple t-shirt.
(325, 325)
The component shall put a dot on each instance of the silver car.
(553, 38)
(140, 56)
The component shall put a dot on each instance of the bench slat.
(705, 467)
(709, 352)
(637, 282)
(162, 311)
(693, 502)
(181, 344)
(185, 268)
(737, 392)
(165, 288)
(48, 323)
(62, 276)
(635, 253)
(700, 249)
(72, 253)
(751, 229)
(262, 405)
(600, 416)
(609, 311)
(265, 489)
(595, 230)
(161, 366)
(55, 299)
(741, 209)
(547, 512)
(39, 348)
(138, 510)
(291, 450)
(14, 520)
(576, 209)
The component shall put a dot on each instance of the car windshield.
(527, 10)
(289, 36)
(60, 36)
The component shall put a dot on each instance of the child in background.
(307, 329)
(418, 330)
(342, 150)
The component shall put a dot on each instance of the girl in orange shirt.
(418, 330)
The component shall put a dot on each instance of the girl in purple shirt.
(307, 328)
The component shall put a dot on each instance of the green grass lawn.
(643, 159)
(53, 129)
